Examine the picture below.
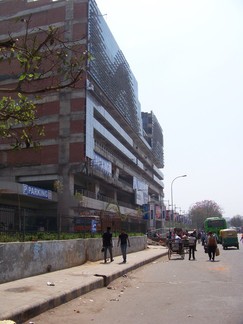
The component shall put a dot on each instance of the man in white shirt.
(192, 246)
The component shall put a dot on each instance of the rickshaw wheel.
(169, 254)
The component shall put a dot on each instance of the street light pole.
(171, 192)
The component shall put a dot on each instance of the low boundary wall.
(22, 260)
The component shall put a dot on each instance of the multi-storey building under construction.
(101, 156)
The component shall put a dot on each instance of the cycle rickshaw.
(176, 247)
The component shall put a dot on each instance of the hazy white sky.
(187, 57)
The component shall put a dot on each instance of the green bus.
(215, 224)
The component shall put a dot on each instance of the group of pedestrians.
(123, 241)
(209, 241)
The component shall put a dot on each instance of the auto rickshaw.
(229, 237)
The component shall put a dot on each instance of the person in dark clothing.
(212, 246)
(123, 240)
(195, 235)
(107, 244)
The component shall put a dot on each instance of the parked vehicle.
(229, 238)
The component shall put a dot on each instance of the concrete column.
(97, 189)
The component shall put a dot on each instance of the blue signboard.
(93, 226)
(146, 211)
(37, 192)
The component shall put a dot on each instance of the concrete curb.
(118, 274)
(96, 280)
(22, 314)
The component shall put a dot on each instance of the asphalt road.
(165, 291)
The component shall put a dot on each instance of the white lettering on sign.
(37, 192)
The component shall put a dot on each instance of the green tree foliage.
(12, 113)
(236, 221)
(39, 62)
(202, 210)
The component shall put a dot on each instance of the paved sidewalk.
(22, 299)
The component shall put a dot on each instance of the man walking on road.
(107, 244)
(123, 240)
(192, 246)
(212, 246)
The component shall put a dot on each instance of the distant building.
(101, 157)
